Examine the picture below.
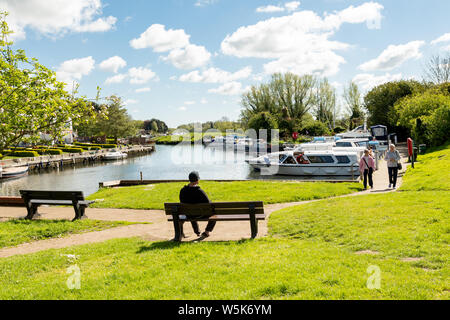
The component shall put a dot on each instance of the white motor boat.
(115, 155)
(13, 172)
(308, 163)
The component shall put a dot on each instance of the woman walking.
(367, 167)
(393, 161)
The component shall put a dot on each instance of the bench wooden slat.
(61, 202)
(53, 195)
(212, 211)
(213, 208)
(243, 204)
(243, 217)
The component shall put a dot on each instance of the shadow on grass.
(168, 245)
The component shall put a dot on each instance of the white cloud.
(183, 108)
(190, 57)
(297, 40)
(75, 69)
(292, 6)
(203, 101)
(182, 54)
(446, 48)
(269, 9)
(160, 39)
(140, 75)
(203, 3)
(289, 6)
(229, 89)
(113, 64)
(215, 75)
(394, 56)
(116, 79)
(368, 81)
(130, 102)
(56, 17)
(443, 38)
(140, 90)
(189, 103)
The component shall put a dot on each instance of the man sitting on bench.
(193, 194)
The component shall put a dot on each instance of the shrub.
(24, 154)
(316, 128)
(72, 150)
(50, 151)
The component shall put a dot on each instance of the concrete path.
(159, 228)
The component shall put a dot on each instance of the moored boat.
(308, 163)
(13, 172)
(116, 155)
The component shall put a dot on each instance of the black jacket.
(193, 195)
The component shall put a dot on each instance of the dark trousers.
(368, 174)
(209, 227)
(393, 172)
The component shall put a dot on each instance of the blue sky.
(190, 60)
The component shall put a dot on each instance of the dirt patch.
(370, 252)
(412, 259)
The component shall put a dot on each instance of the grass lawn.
(154, 196)
(311, 253)
(14, 232)
(262, 269)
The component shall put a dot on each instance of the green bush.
(24, 154)
(50, 151)
(316, 128)
(99, 146)
(72, 150)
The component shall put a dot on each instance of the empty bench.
(217, 211)
(35, 198)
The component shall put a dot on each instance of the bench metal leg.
(79, 213)
(32, 211)
(177, 227)
(253, 222)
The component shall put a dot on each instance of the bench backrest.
(52, 195)
(214, 208)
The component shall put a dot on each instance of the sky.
(185, 61)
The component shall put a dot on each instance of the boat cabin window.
(321, 159)
(343, 144)
(343, 159)
(362, 143)
(290, 160)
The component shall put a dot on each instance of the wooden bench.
(217, 211)
(35, 198)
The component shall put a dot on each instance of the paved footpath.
(157, 227)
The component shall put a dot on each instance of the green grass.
(431, 172)
(14, 232)
(397, 225)
(154, 196)
(261, 269)
(309, 254)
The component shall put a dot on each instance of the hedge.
(50, 151)
(104, 146)
(25, 154)
(72, 150)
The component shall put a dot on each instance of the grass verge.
(154, 196)
(14, 232)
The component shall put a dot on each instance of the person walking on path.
(193, 194)
(367, 167)
(393, 162)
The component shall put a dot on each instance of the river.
(167, 162)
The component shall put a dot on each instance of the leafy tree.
(325, 104)
(353, 100)
(427, 115)
(316, 128)
(32, 101)
(380, 102)
(263, 121)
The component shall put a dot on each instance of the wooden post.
(253, 222)
(141, 177)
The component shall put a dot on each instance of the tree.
(32, 101)
(380, 102)
(437, 70)
(325, 104)
(118, 124)
(353, 100)
(287, 97)
(427, 115)
(263, 121)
